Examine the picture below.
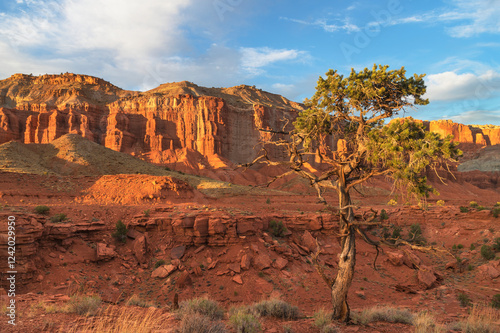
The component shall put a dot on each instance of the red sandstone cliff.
(488, 135)
(162, 125)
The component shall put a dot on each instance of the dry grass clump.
(245, 320)
(121, 320)
(482, 319)
(84, 305)
(387, 314)
(203, 306)
(137, 301)
(276, 308)
(425, 322)
(197, 323)
(323, 321)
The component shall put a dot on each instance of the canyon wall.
(161, 125)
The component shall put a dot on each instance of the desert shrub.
(277, 228)
(472, 247)
(159, 263)
(487, 252)
(276, 308)
(84, 305)
(146, 212)
(481, 319)
(464, 300)
(495, 212)
(480, 208)
(415, 234)
(392, 237)
(464, 209)
(424, 322)
(120, 233)
(203, 306)
(137, 301)
(495, 302)
(58, 218)
(440, 203)
(323, 321)
(384, 215)
(392, 202)
(388, 314)
(496, 245)
(43, 210)
(473, 204)
(245, 321)
(197, 323)
(268, 201)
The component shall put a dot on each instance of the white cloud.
(477, 117)
(253, 59)
(328, 27)
(448, 86)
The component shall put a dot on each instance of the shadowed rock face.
(182, 116)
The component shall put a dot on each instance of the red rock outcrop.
(482, 135)
(161, 125)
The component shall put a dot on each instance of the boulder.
(104, 253)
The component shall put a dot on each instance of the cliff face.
(482, 135)
(161, 125)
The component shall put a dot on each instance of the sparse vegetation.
(42, 210)
(388, 314)
(323, 321)
(120, 233)
(495, 302)
(440, 203)
(245, 320)
(464, 209)
(159, 263)
(384, 215)
(277, 228)
(392, 202)
(137, 301)
(276, 308)
(84, 305)
(58, 218)
(481, 319)
(487, 252)
(146, 212)
(464, 300)
(496, 245)
(203, 306)
(197, 323)
(415, 235)
(268, 201)
(495, 212)
(473, 204)
(425, 322)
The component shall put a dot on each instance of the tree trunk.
(347, 259)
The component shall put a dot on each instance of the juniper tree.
(352, 109)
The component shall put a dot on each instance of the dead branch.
(319, 268)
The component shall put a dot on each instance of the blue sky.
(281, 47)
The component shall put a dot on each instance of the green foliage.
(487, 252)
(159, 263)
(58, 218)
(464, 209)
(277, 228)
(384, 215)
(472, 247)
(464, 300)
(120, 233)
(407, 149)
(268, 201)
(496, 245)
(42, 210)
(473, 204)
(495, 302)
(146, 212)
(495, 212)
(415, 234)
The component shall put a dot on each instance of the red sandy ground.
(72, 270)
